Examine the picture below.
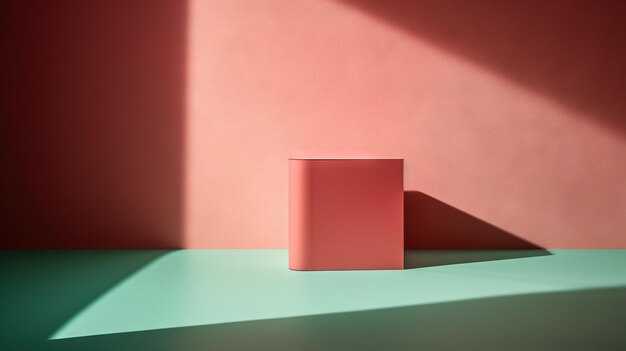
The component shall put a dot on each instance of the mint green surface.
(248, 299)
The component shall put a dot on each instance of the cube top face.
(346, 214)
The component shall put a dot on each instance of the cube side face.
(346, 214)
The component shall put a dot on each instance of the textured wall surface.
(146, 124)
(509, 115)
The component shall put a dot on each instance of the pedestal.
(346, 214)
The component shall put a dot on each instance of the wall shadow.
(575, 320)
(91, 136)
(571, 51)
(430, 224)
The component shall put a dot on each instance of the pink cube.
(346, 214)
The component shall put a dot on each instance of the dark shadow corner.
(430, 224)
(92, 99)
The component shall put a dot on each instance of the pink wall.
(92, 119)
(510, 115)
(163, 124)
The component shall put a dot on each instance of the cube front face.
(346, 214)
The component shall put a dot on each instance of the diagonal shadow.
(44, 289)
(430, 224)
(575, 320)
(571, 51)
(432, 258)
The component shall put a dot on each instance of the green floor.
(249, 300)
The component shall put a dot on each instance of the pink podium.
(346, 214)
